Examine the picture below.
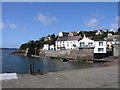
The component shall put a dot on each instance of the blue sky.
(22, 21)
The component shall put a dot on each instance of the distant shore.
(9, 49)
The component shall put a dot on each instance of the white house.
(86, 43)
(70, 42)
(100, 46)
(46, 47)
(100, 50)
(52, 47)
(60, 43)
(72, 34)
(63, 34)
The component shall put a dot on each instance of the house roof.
(74, 38)
(69, 38)
(65, 32)
(99, 40)
(118, 38)
(74, 33)
(62, 39)
(113, 37)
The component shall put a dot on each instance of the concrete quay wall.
(83, 54)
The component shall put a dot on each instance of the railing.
(86, 46)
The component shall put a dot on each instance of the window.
(100, 49)
(74, 45)
(100, 43)
(82, 44)
(90, 44)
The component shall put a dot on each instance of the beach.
(100, 77)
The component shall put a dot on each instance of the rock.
(29, 52)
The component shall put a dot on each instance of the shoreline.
(106, 59)
(103, 77)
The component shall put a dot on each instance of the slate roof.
(62, 39)
(99, 40)
(113, 37)
(118, 38)
(65, 33)
(69, 38)
(74, 33)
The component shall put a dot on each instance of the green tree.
(24, 46)
(52, 36)
(42, 39)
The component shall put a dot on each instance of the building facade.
(66, 43)
(100, 49)
(52, 47)
(63, 34)
(72, 34)
(46, 47)
(86, 43)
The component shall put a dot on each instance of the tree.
(52, 36)
(42, 39)
(24, 46)
(31, 44)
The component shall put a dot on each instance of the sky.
(24, 21)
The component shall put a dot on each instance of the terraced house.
(67, 43)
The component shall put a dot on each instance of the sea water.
(14, 63)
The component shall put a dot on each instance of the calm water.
(20, 64)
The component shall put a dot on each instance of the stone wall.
(83, 54)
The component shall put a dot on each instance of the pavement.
(100, 77)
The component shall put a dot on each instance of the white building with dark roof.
(85, 42)
(72, 34)
(63, 34)
(67, 42)
(100, 50)
(46, 47)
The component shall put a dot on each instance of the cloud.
(92, 23)
(95, 15)
(114, 26)
(46, 19)
(10, 26)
